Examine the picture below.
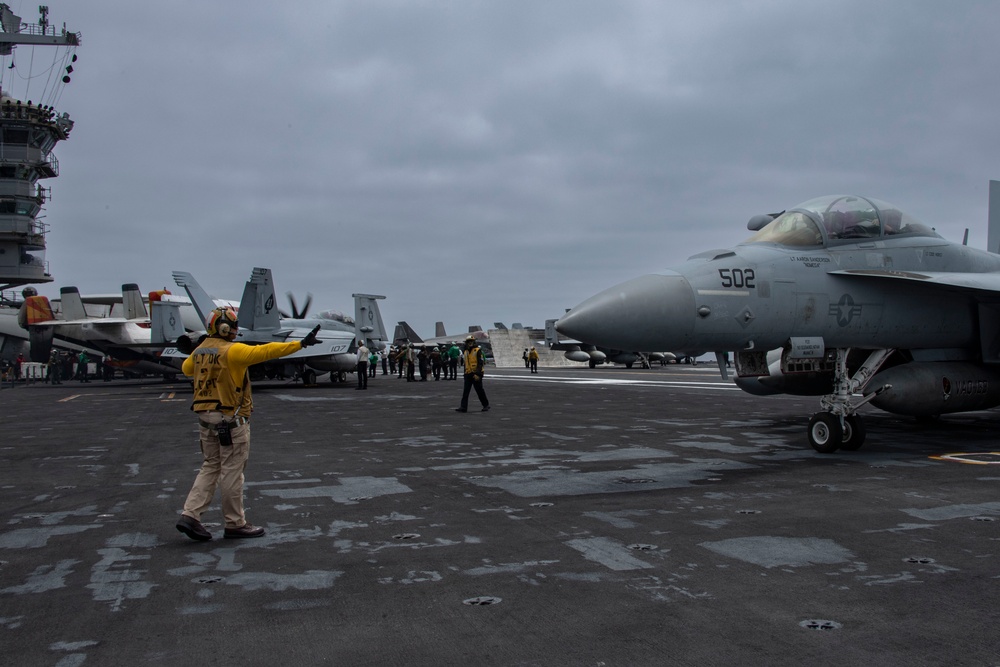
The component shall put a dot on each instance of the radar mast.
(29, 130)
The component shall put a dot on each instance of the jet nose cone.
(646, 314)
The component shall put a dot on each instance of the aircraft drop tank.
(923, 389)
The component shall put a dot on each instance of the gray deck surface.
(611, 517)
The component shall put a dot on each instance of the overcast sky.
(496, 161)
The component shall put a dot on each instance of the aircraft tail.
(439, 331)
(202, 303)
(551, 335)
(35, 309)
(368, 320)
(165, 324)
(72, 304)
(404, 332)
(993, 231)
(258, 307)
(132, 305)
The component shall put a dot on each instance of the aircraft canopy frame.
(839, 219)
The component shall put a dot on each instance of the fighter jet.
(856, 301)
(404, 334)
(260, 322)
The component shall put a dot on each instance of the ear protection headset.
(221, 322)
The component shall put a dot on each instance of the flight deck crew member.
(362, 369)
(411, 360)
(454, 354)
(533, 360)
(55, 367)
(223, 401)
(475, 365)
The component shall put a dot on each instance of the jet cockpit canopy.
(337, 316)
(836, 219)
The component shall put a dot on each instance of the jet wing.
(986, 283)
(105, 322)
(330, 342)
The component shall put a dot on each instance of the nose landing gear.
(838, 426)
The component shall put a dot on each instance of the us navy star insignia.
(845, 310)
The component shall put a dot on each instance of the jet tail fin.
(165, 322)
(551, 335)
(258, 307)
(202, 303)
(72, 304)
(368, 320)
(405, 332)
(35, 309)
(439, 331)
(132, 306)
(993, 231)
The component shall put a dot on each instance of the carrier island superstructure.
(30, 127)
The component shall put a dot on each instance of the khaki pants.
(223, 468)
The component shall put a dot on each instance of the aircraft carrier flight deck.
(592, 517)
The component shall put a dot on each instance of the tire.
(854, 433)
(309, 377)
(825, 432)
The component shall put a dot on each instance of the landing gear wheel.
(825, 432)
(309, 377)
(334, 377)
(592, 363)
(854, 433)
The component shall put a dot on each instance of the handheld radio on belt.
(225, 435)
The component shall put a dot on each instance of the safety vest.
(214, 388)
(473, 361)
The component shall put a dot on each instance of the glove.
(475, 378)
(310, 339)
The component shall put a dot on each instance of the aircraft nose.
(645, 314)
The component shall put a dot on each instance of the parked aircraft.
(404, 334)
(865, 303)
(96, 306)
(260, 322)
(136, 336)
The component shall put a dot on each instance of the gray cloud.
(484, 161)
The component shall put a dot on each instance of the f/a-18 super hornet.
(844, 297)
(261, 322)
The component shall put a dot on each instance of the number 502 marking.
(743, 278)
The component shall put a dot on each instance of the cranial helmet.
(221, 321)
(470, 340)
